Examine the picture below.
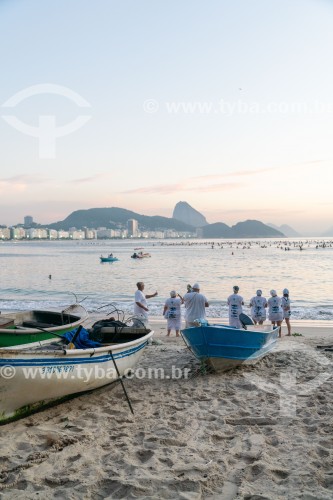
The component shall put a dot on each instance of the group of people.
(196, 304)
(278, 308)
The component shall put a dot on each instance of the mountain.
(111, 217)
(246, 229)
(329, 232)
(187, 214)
(216, 230)
(286, 230)
(254, 229)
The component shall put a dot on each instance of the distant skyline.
(225, 105)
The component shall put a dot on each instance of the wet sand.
(257, 432)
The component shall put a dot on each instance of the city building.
(132, 228)
(28, 221)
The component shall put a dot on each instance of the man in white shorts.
(195, 305)
(140, 301)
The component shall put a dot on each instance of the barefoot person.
(140, 301)
(286, 309)
(172, 312)
(258, 305)
(235, 303)
(275, 312)
(195, 304)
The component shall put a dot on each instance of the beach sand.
(257, 432)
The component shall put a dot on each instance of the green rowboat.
(37, 327)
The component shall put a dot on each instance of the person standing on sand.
(172, 312)
(285, 302)
(140, 300)
(275, 311)
(258, 305)
(195, 305)
(235, 303)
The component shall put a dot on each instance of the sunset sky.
(225, 104)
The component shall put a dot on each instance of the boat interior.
(37, 319)
(118, 335)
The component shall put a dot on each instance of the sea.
(54, 274)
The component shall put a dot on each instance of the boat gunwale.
(74, 352)
(32, 331)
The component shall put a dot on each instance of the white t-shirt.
(258, 304)
(275, 312)
(194, 306)
(140, 297)
(235, 302)
(173, 305)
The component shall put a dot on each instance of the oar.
(121, 381)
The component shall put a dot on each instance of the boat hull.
(223, 347)
(16, 335)
(32, 379)
(108, 259)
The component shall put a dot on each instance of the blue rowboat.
(108, 259)
(32, 378)
(223, 347)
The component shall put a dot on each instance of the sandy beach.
(257, 432)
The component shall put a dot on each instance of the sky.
(139, 104)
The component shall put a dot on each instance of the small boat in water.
(37, 327)
(37, 377)
(108, 259)
(140, 255)
(223, 347)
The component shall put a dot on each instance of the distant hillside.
(111, 217)
(246, 229)
(217, 230)
(286, 230)
(187, 214)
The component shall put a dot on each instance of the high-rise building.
(132, 228)
(28, 221)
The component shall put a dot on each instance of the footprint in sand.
(144, 455)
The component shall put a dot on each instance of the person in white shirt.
(172, 312)
(258, 305)
(235, 303)
(275, 312)
(285, 302)
(195, 305)
(140, 301)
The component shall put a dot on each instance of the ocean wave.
(125, 308)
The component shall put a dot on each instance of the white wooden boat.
(32, 378)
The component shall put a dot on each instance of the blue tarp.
(82, 341)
